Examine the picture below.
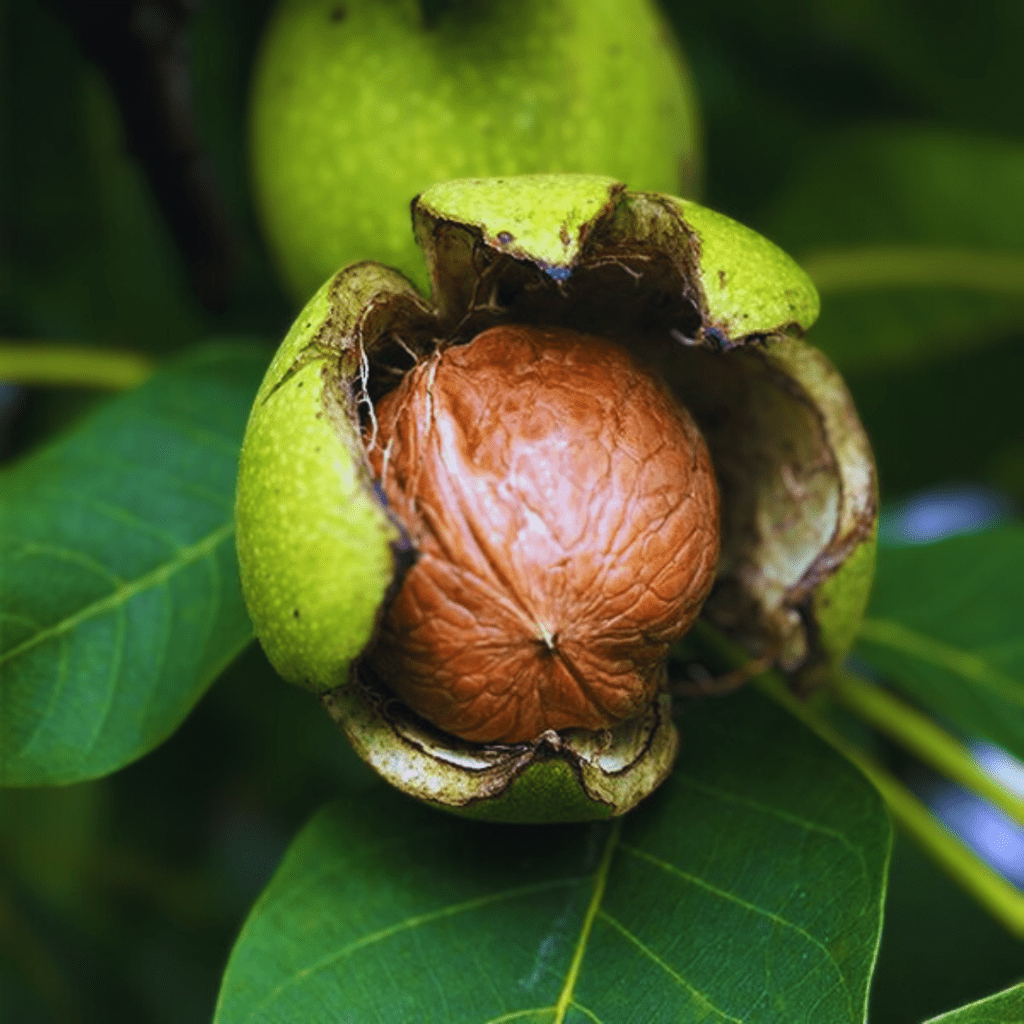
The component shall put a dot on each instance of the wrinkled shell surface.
(564, 510)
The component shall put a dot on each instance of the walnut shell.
(565, 514)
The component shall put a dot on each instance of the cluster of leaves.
(753, 885)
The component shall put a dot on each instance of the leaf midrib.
(184, 557)
(600, 882)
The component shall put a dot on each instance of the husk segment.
(586, 775)
(719, 311)
(715, 308)
(317, 550)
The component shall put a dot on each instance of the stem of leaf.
(909, 266)
(72, 366)
(1002, 900)
(923, 738)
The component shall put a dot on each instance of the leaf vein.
(587, 1012)
(117, 514)
(409, 923)
(729, 897)
(699, 996)
(116, 654)
(55, 691)
(600, 880)
(155, 577)
(520, 1014)
(30, 548)
(775, 812)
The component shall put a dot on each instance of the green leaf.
(944, 626)
(1004, 1007)
(748, 888)
(120, 600)
(915, 240)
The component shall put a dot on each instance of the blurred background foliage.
(846, 131)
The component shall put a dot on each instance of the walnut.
(564, 510)
(562, 505)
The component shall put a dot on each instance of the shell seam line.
(600, 881)
(186, 556)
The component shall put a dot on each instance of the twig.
(707, 685)
(923, 738)
(140, 46)
(72, 366)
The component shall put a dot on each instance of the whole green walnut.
(357, 106)
(619, 315)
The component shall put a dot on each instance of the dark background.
(119, 899)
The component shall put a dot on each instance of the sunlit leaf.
(748, 888)
(944, 626)
(120, 596)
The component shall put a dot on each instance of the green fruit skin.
(840, 602)
(353, 116)
(538, 217)
(582, 778)
(314, 547)
(750, 285)
(546, 792)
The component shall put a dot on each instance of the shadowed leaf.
(944, 626)
(748, 888)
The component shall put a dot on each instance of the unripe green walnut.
(357, 106)
(565, 516)
(711, 312)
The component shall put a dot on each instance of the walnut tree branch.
(141, 48)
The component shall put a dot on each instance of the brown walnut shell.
(565, 514)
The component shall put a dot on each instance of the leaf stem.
(72, 366)
(1002, 900)
(966, 664)
(923, 738)
(915, 266)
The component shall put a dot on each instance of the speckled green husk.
(353, 115)
(314, 545)
(572, 776)
(715, 308)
